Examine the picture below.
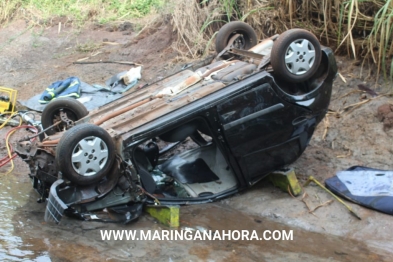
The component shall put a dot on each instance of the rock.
(385, 115)
(126, 26)
(388, 121)
(110, 28)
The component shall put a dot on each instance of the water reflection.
(13, 195)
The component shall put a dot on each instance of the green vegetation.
(77, 10)
(360, 28)
(88, 47)
(382, 35)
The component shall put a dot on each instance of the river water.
(24, 236)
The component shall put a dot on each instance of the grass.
(7, 9)
(78, 10)
(197, 22)
(88, 47)
(36, 35)
(363, 29)
(381, 36)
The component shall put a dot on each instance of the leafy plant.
(381, 37)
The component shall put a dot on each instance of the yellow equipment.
(286, 180)
(7, 99)
(166, 215)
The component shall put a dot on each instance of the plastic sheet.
(365, 186)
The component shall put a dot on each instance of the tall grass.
(8, 9)
(382, 36)
(197, 22)
(363, 29)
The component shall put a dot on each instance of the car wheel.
(85, 154)
(247, 39)
(51, 114)
(296, 55)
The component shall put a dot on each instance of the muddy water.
(13, 196)
(24, 236)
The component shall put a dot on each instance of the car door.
(262, 131)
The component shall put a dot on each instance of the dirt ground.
(32, 58)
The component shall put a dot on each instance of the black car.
(193, 137)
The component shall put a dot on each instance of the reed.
(361, 29)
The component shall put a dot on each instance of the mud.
(32, 58)
(385, 115)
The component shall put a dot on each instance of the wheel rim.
(89, 156)
(300, 56)
(240, 42)
(56, 118)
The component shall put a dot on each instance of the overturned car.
(251, 111)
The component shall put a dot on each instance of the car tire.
(85, 154)
(296, 55)
(75, 110)
(248, 39)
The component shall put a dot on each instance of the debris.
(363, 97)
(349, 93)
(327, 125)
(304, 201)
(315, 208)
(166, 215)
(322, 205)
(349, 153)
(110, 43)
(350, 108)
(105, 62)
(96, 53)
(132, 75)
(82, 59)
(124, 81)
(365, 186)
(367, 90)
(342, 78)
(285, 179)
(312, 179)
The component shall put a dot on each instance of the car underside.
(193, 137)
